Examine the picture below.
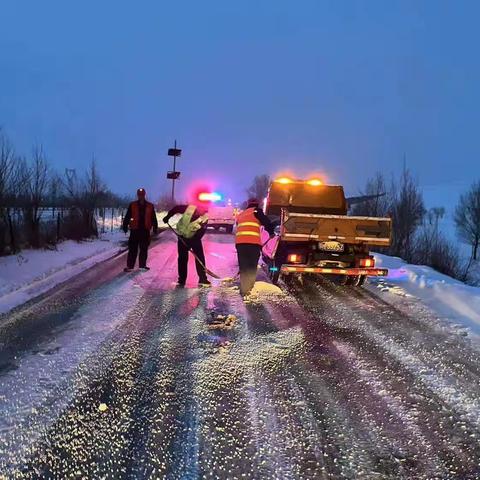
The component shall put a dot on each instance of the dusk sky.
(343, 88)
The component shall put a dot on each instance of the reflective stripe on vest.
(248, 228)
(248, 224)
(135, 218)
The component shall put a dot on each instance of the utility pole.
(174, 175)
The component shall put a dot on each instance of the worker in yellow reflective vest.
(191, 227)
(249, 244)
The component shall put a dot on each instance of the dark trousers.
(248, 256)
(195, 244)
(139, 239)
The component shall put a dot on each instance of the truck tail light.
(294, 258)
(367, 262)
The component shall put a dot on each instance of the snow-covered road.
(119, 376)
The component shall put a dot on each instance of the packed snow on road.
(115, 375)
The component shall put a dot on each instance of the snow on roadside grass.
(452, 301)
(33, 272)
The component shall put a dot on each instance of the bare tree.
(434, 215)
(407, 211)
(7, 167)
(95, 189)
(259, 187)
(55, 191)
(36, 192)
(7, 172)
(431, 248)
(467, 218)
(378, 206)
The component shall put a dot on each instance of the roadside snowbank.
(452, 300)
(33, 272)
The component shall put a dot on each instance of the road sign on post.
(174, 175)
(174, 152)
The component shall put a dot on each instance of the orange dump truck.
(316, 236)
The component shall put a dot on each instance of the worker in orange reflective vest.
(249, 244)
(140, 219)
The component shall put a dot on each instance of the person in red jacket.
(140, 219)
(249, 244)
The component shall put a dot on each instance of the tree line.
(39, 206)
(417, 235)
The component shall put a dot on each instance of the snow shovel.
(207, 271)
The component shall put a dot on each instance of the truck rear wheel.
(229, 228)
(355, 280)
(363, 279)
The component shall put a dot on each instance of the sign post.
(174, 175)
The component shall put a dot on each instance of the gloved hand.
(165, 219)
(272, 235)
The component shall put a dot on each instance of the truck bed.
(343, 228)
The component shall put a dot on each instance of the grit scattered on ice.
(417, 286)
